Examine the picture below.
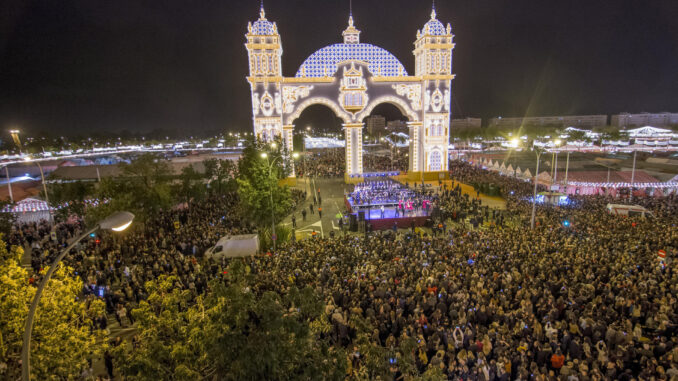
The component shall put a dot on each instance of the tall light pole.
(44, 188)
(538, 151)
(9, 184)
(264, 155)
(554, 161)
(567, 167)
(633, 171)
(117, 222)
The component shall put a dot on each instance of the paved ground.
(332, 197)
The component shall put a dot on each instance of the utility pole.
(9, 185)
(633, 170)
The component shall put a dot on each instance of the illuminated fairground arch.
(352, 78)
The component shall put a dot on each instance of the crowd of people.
(116, 268)
(329, 163)
(322, 163)
(395, 160)
(586, 301)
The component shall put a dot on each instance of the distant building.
(663, 119)
(375, 125)
(397, 126)
(466, 123)
(547, 121)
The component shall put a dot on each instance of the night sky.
(83, 66)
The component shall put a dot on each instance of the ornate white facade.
(352, 78)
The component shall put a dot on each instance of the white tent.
(649, 131)
(29, 210)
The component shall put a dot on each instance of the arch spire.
(433, 10)
(350, 12)
(262, 12)
(351, 34)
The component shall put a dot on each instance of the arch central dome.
(324, 61)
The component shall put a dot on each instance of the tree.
(231, 332)
(171, 342)
(71, 195)
(578, 136)
(257, 184)
(6, 219)
(221, 175)
(243, 323)
(191, 184)
(143, 188)
(63, 335)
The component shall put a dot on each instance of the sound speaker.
(353, 223)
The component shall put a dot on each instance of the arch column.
(354, 151)
(416, 162)
(288, 142)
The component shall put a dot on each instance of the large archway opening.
(319, 137)
(386, 139)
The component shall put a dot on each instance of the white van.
(629, 210)
(234, 246)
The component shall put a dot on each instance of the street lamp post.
(44, 188)
(554, 161)
(270, 173)
(117, 222)
(538, 151)
(633, 170)
(9, 184)
(567, 167)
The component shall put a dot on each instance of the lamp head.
(295, 155)
(117, 221)
(273, 145)
(263, 155)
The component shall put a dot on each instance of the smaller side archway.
(346, 117)
(399, 103)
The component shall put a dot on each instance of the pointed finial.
(262, 13)
(433, 10)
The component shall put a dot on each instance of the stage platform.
(391, 216)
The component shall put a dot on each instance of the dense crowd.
(332, 162)
(115, 268)
(395, 160)
(586, 301)
(322, 163)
